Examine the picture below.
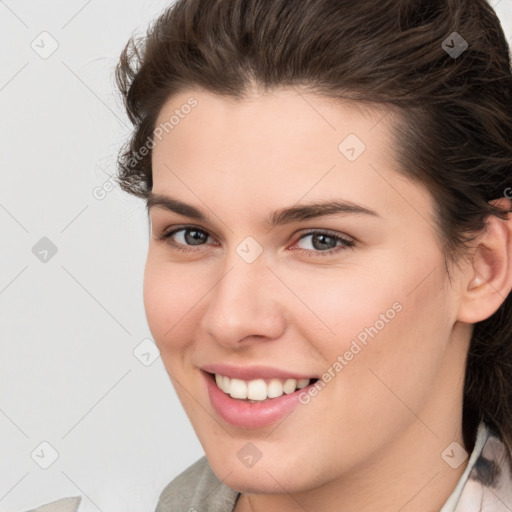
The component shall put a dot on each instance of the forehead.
(279, 106)
(280, 129)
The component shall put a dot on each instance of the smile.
(258, 400)
(258, 390)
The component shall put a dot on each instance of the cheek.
(393, 294)
(395, 323)
(344, 305)
(169, 298)
(393, 365)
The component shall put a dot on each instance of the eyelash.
(345, 242)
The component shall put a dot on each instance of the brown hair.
(455, 110)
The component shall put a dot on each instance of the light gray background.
(73, 371)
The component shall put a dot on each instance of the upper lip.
(252, 372)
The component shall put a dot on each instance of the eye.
(189, 235)
(325, 243)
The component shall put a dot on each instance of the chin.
(262, 478)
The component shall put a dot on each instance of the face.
(353, 295)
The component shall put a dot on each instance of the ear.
(488, 278)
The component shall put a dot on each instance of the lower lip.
(250, 415)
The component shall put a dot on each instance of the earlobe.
(490, 271)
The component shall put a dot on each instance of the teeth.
(222, 382)
(238, 389)
(302, 383)
(258, 390)
(275, 388)
(290, 386)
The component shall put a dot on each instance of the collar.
(486, 483)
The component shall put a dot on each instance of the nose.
(245, 305)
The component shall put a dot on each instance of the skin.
(372, 439)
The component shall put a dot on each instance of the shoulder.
(197, 488)
(63, 505)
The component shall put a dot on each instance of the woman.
(329, 272)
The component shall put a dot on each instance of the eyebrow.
(279, 217)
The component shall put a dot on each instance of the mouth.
(254, 403)
(259, 390)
